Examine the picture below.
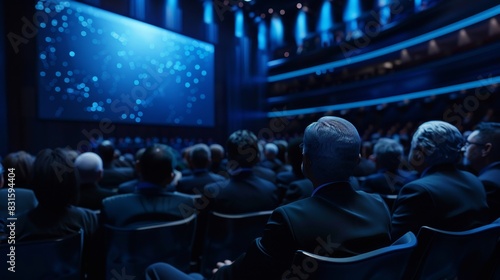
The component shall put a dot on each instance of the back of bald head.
(89, 167)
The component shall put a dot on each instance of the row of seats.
(432, 254)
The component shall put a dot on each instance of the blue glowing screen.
(94, 64)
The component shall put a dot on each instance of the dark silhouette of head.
(200, 156)
(388, 154)
(242, 148)
(22, 162)
(156, 165)
(106, 151)
(217, 153)
(55, 179)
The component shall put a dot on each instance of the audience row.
(319, 186)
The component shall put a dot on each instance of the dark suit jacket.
(149, 204)
(490, 177)
(128, 187)
(387, 182)
(297, 190)
(444, 198)
(91, 196)
(264, 173)
(242, 193)
(335, 221)
(114, 176)
(195, 183)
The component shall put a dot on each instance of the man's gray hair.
(439, 141)
(333, 145)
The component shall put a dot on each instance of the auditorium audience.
(335, 221)
(482, 151)
(22, 165)
(89, 166)
(56, 188)
(112, 175)
(55, 184)
(244, 191)
(444, 197)
(199, 161)
(390, 176)
(151, 202)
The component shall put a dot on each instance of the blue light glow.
(300, 28)
(208, 12)
(123, 65)
(390, 99)
(277, 31)
(239, 27)
(325, 17)
(393, 48)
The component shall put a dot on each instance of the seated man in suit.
(243, 192)
(336, 220)
(390, 178)
(444, 197)
(199, 161)
(482, 151)
(151, 202)
(89, 166)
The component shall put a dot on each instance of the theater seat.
(384, 263)
(229, 235)
(130, 250)
(44, 260)
(444, 254)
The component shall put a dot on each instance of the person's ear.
(486, 150)
(99, 175)
(373, 158)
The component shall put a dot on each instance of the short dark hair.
(200, 156)
(489, 132)
(23, 163)
(242, 147)
(156, 164)
(106, 151)
(55, 180)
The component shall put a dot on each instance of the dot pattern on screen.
(94, 64)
